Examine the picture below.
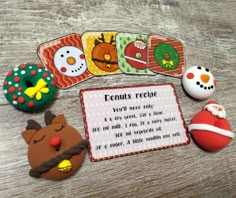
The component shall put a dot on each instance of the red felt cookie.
(210, 128)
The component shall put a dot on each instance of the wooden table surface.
(207, 29)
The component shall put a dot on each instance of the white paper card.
(127, 120)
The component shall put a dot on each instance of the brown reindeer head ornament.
(56, 151)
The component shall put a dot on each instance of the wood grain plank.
(207, 30)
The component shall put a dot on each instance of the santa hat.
(216, 110)
(140, 43)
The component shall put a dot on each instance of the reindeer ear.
(59, 119)
(28, 135)
(31, 129)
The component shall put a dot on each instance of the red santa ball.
(210, 128)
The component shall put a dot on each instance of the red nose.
(55, 141)
(107, 51)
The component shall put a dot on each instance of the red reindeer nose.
(55, 141)
(107, 51)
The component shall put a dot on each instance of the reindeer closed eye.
(59, 129)
(36, 141)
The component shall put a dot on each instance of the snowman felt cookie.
(199, 82)
(65, 59)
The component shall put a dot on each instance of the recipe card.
(121, 121)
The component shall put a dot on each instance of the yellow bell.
(107, 56)
(65, 166)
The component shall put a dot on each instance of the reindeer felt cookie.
(56, 151)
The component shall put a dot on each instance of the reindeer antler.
(112, 41)
(102, 38)
(48, 117)
(32, 124)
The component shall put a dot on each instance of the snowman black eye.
(199, 68)
(62, 55)
(207, 70)
(67, 52)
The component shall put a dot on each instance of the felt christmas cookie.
(210, 128)
(165, 55)
(132, 53)
(199, 82)
(29, 86)
(100, 52)
(56, 151)
(64, 57)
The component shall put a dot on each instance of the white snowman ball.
(199, 82)
(70, 61)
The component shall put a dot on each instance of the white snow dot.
(14, 102)
(39, 70)
(46, 69)
(19, 93)
(9, 83)
(22, 72)
(5, 91)
(15, 69)
(16, 85)
(30, 67)
(15, 74)
(52, 75)
(48, 78)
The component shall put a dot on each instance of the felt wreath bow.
(37, 90)
(168, 63)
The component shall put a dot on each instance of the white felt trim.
(214, 111)
(211, 128)
(134, 59)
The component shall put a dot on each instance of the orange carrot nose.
(205, 78)
(55, 141)
(71, 60)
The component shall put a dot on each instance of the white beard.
(216, 110)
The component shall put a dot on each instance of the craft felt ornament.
(199, 82)
(165, 55)
(132, 53)
(210, 128)
(64, 57)
(29, 86)
(56, 151)
(100, 52)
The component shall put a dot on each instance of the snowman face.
(70, 61)
(199, 82)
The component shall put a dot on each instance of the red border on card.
(136, 152)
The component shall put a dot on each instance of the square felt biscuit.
(165, 55)
(100, 52)
(132, 53)
(64, 58)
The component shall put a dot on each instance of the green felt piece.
(122, 40)
(26, 76)
(166, 56)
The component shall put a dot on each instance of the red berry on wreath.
(210, 128)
